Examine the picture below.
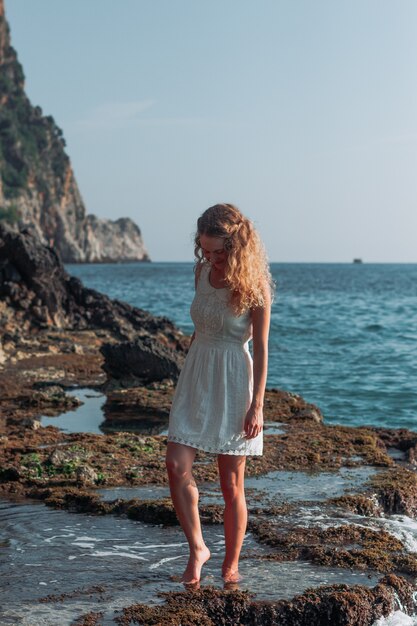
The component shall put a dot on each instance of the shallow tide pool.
(46, 552)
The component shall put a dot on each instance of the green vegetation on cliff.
(9, 214)
(27, 138)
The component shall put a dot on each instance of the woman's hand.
(260, 330)
(254, 422)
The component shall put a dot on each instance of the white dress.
(215, 386)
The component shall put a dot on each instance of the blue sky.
(303, 113)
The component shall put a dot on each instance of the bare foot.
(231, 586)
(196, 561)
(231, 575)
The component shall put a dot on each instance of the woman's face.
(213, 250)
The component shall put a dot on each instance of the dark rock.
(30, 422)
(52, 396)
(24, 303)
(162, 512)
(51, 297)
(40, 313)
(332, 605)
(9, 474)
(78, 501)
(152, 512)
(8, 272)
(146, 359)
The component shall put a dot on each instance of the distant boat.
(357, 261)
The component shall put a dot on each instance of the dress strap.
(203, 274)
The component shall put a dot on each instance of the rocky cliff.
(37, 293)
(37, 183)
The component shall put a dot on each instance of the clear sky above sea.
(302, 113)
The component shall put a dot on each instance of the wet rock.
(211, 514)
(412, 454)
(340, 546)
(76, 593)
(61, 456)
(9, 474)
(396, 491)
(138, 406)
(334, 605)
(153, 512)
(146, 359)
(89, 619)
(86, 475)
(307, 444)
(285, 406)
(400, 438)
(273, 511)
(74, 500)
(31, 423)
(53, 396)
(312, 414)
(359, 504)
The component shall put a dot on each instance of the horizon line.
(270, 262)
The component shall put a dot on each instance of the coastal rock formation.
(37, 183)
(106, 241)
(36, 292)
(328, 605)
(145, 359)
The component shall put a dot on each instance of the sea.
(343, 335)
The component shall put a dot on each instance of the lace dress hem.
(245, 449)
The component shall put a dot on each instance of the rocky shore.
(56, 336)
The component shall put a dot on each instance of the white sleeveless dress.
(215, 386)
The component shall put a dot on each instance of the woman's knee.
(176, 467)
(232, 491)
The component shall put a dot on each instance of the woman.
(217, 406)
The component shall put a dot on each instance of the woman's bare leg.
(232, 475)
(184, 494)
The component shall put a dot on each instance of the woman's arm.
(260, 331)
(196, 278)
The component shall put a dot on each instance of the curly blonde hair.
(247, 269)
